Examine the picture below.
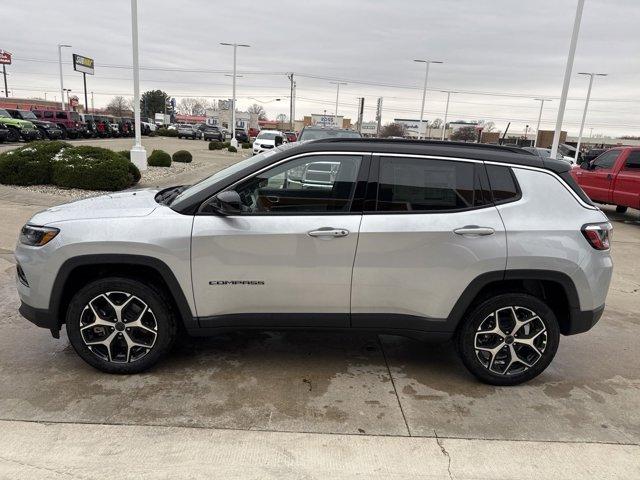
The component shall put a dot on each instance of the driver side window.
(606, 160)
(311, 184)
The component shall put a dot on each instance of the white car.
(266, 140)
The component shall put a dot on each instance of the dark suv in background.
(46, 129)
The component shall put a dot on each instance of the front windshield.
(26, 115)
(230, 170)
(268, 135)
(316, 134)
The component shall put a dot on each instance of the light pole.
(586, 106)
(446, 112)
(567, 78)
(424, 90)
(337, 84)
(138, 153)
(541, 100)
(68, 90)
(234, 142)
(60, 47)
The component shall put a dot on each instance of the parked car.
(546, 153)
(47, 130)
(210, 132)
(241, 135)
(592, 154)
(4, 132)
(126, 126)
(114, 126)
(268, 139)
(291, 136)
(90, 130)
(612, 178)
(315, 132)
(188, 131)
(103, 126)
(253, 132)
(70, 123)
(146, 126)
(17, 128)
(424, 239)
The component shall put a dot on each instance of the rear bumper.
(581, 321)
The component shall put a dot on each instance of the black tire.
(621, 209)
(14, 135)
(158, 317)
(481, 363)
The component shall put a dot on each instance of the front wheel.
(120, 325)
(621, 209)
(509, 339)
(14, 135)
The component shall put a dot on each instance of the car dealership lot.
(332, 383)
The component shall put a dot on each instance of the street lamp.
(235, 46)
(541, 100)
(424, 90)
(337, 84)
(68, 90)
(567, 77)
(138, 153)
(446, 112)
(60, 47)
(586, 106)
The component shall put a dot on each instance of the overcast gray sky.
(513, 48)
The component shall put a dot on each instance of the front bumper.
(29, 134)
(53, 134)
(39, 317)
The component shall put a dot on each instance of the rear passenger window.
(633, 161)
(503, 184)
(416, 184)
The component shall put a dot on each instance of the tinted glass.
(502, 182)
(314, 134)
(415, 184)
(4, 113)
(27, 115)
(633, 161)
(606, 160)
(48, 114)
(61, 115)
(312, 184)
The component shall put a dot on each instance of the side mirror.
(228, 203)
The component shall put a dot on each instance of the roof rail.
(486, 146)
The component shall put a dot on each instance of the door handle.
(474, 231)
(329, 232)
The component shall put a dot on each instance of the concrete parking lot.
(367, 405)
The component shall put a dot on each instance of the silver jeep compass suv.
(491, 246)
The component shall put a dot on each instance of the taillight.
(598, 235)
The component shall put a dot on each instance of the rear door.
(287, 259)
(429, 229)
(598, 181)
(626, 189)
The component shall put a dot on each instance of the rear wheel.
(14, 135)
(120, 325)
(509, 339)
(621, 209)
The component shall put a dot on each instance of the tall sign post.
(84, 65)
(5, 59)
(379, 116)
(360, 113)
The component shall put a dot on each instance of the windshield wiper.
(167, 196)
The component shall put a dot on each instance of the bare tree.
(393, 130)
(119, 106)
(437, 123)
(487, 126)
(464, 134)
(259, 110)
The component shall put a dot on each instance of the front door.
(432, 231)
(597, 181)
(287, 259)
(626, 190)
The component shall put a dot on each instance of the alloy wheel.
(118, 327)
(510, 340)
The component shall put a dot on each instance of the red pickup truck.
(613, 178)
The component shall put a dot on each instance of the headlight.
(37, 236)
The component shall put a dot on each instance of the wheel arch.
(556, 289)
(77, 271)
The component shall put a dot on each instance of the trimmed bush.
(182, 156)
(232, 149)
(159, 158)
(247, 145)
(215, 145)
(165, 132)
(93, 168)
(30, 165)
(125, 153)
(226, 144)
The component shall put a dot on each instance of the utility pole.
(60, 47)
(360, 113)
(586, 106)
(337, 84)
(291, 100)
(567, 77)
(86, 102)
(379, 116)
(92, 107)
(424, 91)
(4, 74)
(541, 100)
(234, 142)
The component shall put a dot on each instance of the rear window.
(503, 184)
(421, 185)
